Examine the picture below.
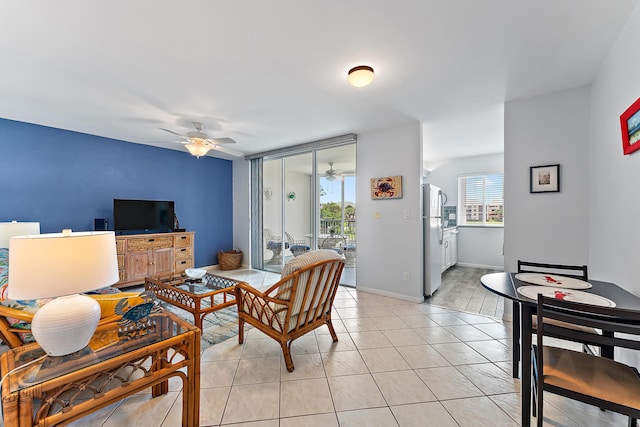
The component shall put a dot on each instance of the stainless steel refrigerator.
(432, 230)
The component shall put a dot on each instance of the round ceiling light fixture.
(360, 76)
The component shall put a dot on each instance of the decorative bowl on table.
(195, 273)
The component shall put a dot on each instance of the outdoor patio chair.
(299, 303)
(297, 247)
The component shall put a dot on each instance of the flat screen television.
(142, 216)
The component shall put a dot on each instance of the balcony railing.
(333, 226)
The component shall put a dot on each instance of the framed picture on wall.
(388, 187)
(544, 179)
(630, 127)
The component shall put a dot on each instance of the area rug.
(216, 327)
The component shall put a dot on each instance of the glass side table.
(65, 388)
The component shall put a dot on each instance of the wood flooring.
(461, 290)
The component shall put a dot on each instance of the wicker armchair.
(299, 303)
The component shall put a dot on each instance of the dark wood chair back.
(575, 271)
(594, 380)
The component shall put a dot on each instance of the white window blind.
(481, 199)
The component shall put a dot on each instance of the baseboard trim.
(390, 294)
(488, 267)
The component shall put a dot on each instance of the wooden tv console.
(145, 255)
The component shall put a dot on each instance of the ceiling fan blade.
(170, 131)
(228, 150)
(221, 141)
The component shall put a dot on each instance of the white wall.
(241, 208)
(477, 246)
(614, 178)
(547, 227)
(388, 244)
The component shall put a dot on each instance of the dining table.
(507, 285)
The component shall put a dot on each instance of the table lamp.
(60, 266)
(15, 228)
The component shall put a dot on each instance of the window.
(481, 199)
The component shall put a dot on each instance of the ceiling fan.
(331, 173)
(199, 143)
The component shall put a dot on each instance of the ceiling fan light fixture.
(360, 76)
(197, 150)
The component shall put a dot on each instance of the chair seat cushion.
(300, 248)
(592, 375)
(276, 245)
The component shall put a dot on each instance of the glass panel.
(272, 199)
(298, 207)
(337, 205)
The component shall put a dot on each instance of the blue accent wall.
(65, 179)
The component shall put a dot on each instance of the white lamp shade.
(198, 149)
(12, 229)
(52, 265)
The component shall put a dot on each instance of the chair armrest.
(261, 307)
(16, 314)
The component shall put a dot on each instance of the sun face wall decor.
(388, 187)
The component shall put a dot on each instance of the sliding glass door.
(304, 201)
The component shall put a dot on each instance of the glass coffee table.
(197, 296)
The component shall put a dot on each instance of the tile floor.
(396, 363)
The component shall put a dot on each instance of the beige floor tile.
(305, 397)
(338, 326)
(422, 356)
(430, 414)
(446, 319)
(402, 337)
(307, 344)
(212, 404)
(477, 411)
(436, 335)
(355, 392)
(384, 359)
(263, 423)
(257, 348)
(378, 311)
(467, 333)
(402, 387)
(509, 403)
(389, 322)
(459, 353)
(476, 319)
(351, 313)
(345, 303)
(320, 420)
(360, 324)
(379, 417)
(496, 330)
(217, 374)
(418, 320)
(95, 419)
(490, 379)
(448, 383)
(306, 366)
(493, 350)
(253, 402)
(226, 350)
(343, 363)
(370, 339)
(255, 371)
(142, 411)
(344, 343)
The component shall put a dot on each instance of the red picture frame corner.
(627, 146)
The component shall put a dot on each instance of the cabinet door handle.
(183, 250)
(152, 240)
(183, 237)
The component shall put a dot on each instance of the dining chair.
(300, 302)
(574, 271)
(594, 380)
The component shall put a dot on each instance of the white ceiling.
(273, 73)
